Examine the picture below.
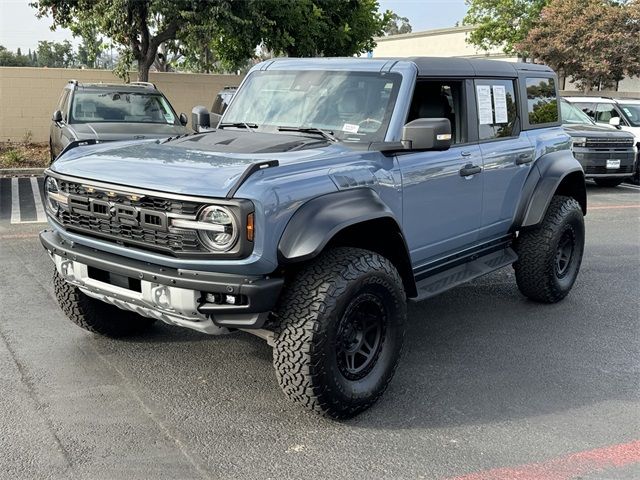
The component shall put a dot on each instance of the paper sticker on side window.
(485, 112)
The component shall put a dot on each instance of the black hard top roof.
(469, 67)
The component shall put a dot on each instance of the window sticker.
(485, 113)
(500, 103)
(350, 128)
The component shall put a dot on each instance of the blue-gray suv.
(330, 193)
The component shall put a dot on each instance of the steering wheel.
(378, 123)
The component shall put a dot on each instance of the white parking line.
(15, 201)
(40, 215)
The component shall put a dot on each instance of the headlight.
(51, 192)
(224, 232)
(579, 141)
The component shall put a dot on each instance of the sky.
(19, 26)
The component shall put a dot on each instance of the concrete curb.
(22, 172)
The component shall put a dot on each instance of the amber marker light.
(250, 231)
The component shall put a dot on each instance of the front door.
(442, 190)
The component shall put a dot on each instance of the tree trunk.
(143, 70)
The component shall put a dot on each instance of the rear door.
(507, 153)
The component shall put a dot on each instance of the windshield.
(113, 106)
(573, 115)
(632, 112)
(353, 106)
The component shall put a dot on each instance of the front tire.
(94, 315)
(340, 332)
(550, 254)
(608, 182)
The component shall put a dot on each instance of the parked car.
(332, 192)
(621, 113)
(223, 99)
(107, 112)
(607, 156)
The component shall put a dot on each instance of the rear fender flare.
(555, 173)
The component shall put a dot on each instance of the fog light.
(161, 296)
(213, 298)
(230, 299)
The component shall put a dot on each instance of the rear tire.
(608, 182)
(94, 315)
(340, 332)
(550, 254)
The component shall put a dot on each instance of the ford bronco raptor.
(330, 193)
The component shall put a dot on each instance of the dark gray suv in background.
(107, 112)
(607, 155)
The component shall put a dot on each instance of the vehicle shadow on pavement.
(483, 353)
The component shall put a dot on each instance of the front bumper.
(594, 162)
(175, 296)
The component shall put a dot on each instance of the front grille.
(600, 170)
(147, 202)
(137, 225)
(605, 142)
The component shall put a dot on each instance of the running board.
(466, 272)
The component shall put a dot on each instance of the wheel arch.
(556, 173)
(349, 218)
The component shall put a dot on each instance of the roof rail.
(144, 84)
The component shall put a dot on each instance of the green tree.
(10, 59)
(597, 48)
(231, 29)
(502, 23)
(55, 54)
(397, 25)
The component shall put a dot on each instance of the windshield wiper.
(248, 126)
(328, 135)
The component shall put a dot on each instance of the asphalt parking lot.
(491, 386)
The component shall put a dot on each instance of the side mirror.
(183, 119)
(200, 119)
(214, 119)
(614, 122)
(57, 116)
(427, 134)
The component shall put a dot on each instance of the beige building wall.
(28, 96)
(444, 42)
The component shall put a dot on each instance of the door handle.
(465, 154)
(470, 169)
(524, 158)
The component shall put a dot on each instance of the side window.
(588, 108)
(605, 112)
(497, 111)
(542, 101)
(440, 99)
(62, 104)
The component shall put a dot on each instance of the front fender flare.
(316, 222)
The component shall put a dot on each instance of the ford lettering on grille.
(124, 214)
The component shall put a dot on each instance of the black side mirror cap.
(183, 119)
(57, 116)
(427, 134)
(200, 119)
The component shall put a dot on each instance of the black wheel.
(94, 315)
(340, 332)
(608, 182)
(550, 254)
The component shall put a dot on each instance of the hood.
(107, 131)
(586, 130)
(206, 164)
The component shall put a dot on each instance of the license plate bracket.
(613, 164)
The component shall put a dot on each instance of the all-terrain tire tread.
(95, 316)
(533, 270)
(308, 296)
